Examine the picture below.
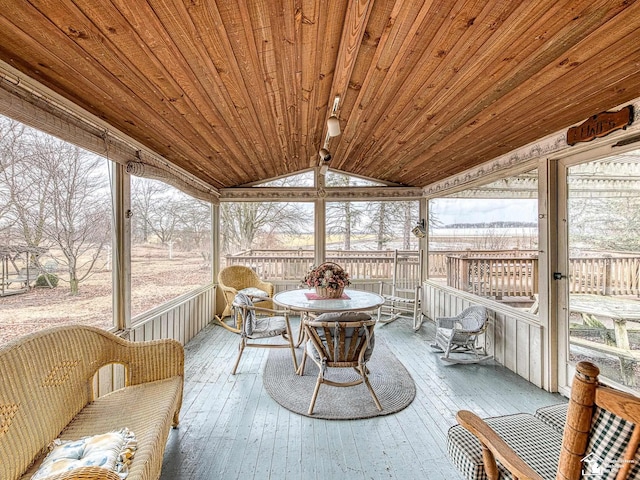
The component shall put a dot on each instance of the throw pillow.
(111, 450)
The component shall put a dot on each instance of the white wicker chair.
(460, 334)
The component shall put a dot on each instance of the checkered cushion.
(609, 437)
(553, 415)
(536, 442)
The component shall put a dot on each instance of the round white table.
(305, 301)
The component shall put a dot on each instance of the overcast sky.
(478, 210)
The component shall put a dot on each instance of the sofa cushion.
(553, 415)
(146, 409)
(536, 442)
(342, 317)
(111, 450)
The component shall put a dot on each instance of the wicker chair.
(238, 278)
(460, 334)
(599, 440)
(340, 340)
(261, 324)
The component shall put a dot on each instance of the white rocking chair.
(401, 300)
(460, 334)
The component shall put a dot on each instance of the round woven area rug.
(390, 380)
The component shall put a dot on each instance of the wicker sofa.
(46, 392)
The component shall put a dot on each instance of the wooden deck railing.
(605, 275)
(498, 277)
(363, 265)
(495, 274)
(293, 264)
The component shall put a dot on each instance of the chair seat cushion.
(536, 442)
(268, 327)
(111, 450)
(395, 299)
(553, 415)
(254, 292)
(342, 317)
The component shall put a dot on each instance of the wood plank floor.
(231, 428)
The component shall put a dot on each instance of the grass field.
(155, 279)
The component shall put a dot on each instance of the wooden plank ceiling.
(240, 91)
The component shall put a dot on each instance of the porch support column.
(320, 216)
(215, 253)
(121, 251)
(423, 243)
(548, 262)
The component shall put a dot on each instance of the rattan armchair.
(260, 324)
(340, 340)
(238, 278)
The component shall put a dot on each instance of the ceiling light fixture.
(420, 230)
(333, 123)
(333, 130)
(325, 156)
(333, 126)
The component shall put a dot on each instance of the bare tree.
(145, 194)
(16, 186)
(55, 196)
(619, 217)
(164, 218)
(342, 218)
(78, 205)
(387, 220)
(10, 134)
(195, 224)
(23, 189)
(246, 225)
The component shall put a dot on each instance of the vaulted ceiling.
(239, 91)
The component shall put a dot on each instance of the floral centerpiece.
(329, 279)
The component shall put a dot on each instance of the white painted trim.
(308, 194)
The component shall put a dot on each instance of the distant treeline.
(493, 225)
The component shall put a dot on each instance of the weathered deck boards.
(230, 428)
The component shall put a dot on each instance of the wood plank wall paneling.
(239, 92)
(514, 337)
(180, 321)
